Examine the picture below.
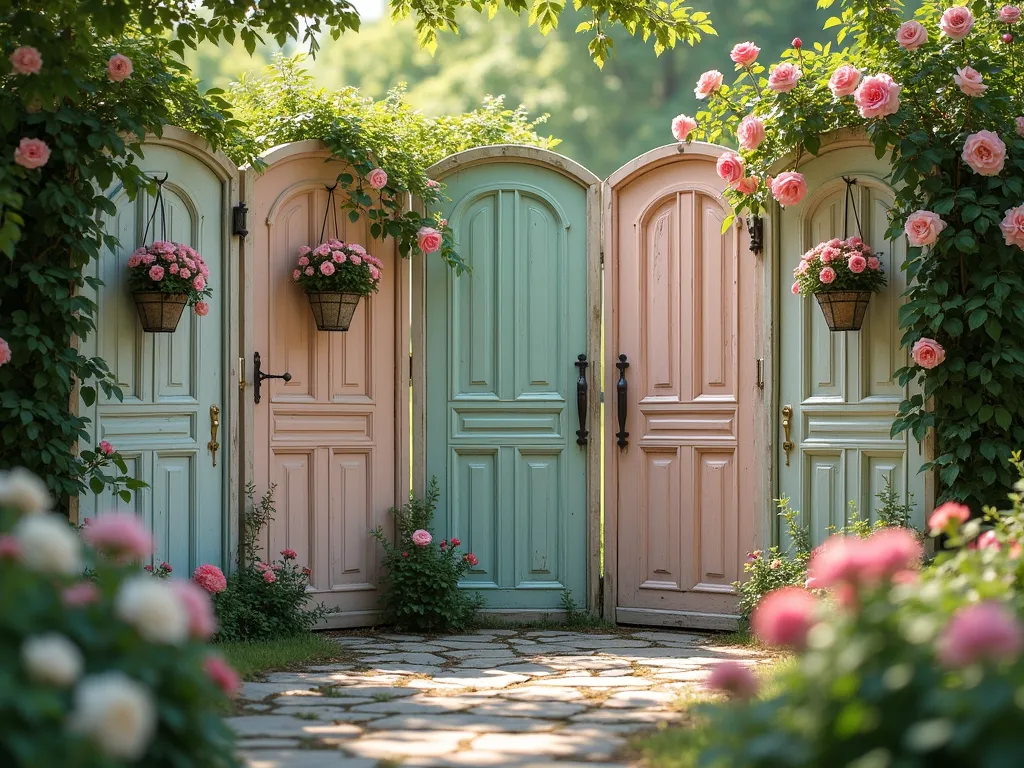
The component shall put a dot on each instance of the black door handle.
(581, 400)
(258, 376)
(621, 389)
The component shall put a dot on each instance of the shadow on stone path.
(489, 698)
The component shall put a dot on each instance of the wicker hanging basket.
(333, 310)
(844, 310)
(159, 312)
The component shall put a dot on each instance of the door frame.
(775, 292)
(656, 158)
(545, 158)
(247, 341)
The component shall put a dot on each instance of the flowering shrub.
(422, 583)
(337, 266)
(108, 671)
(839, 265)
(171, 268)
(897, 666)
(262, 600)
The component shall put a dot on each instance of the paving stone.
(419, 705)
(492, 652)
(582, 662)
(303, 758)
(469, 678)
(669, 637)
(692, 676)
(408, 669)
(277, 725)
(398, 744)
(425, 659)
(304, 679)
(264, 743)
(328, 714)
(470, 645)
(314, 702)
(330, 668)
(616, 672)
(610, 644)
(547, 710)
(504, 632)
(462, 721)
(639, 699)
(258, 691)
(479, 759)
(361, 692)
(553, 744)
(256, 707)
(526, 668)
(530, 693)
(404, 638)
(594, 682)
(475, 637)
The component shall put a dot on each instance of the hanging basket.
(159, 312)
(844, 310)
(333, 310)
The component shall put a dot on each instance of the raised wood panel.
(294, 348)
(476, 301)
(478, 423)
(293, 472)
(474, 512)
(173, 507)
(660, 519)
(825, 489)
(350, 519)
(882, 356)
(717, 505)
(661, 299)
(715, 316)
(538, 525)
(118, 341)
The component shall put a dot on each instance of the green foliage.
(264, 600)
(422, 583)
(252, 659)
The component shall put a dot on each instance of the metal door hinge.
(760, 373)
(410, 368)
(602, 256)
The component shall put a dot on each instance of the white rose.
(52, 659)
(151, 606)
(49, 545)
(116, 712)
(21, 489)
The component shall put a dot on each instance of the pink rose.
(106, 448)
(433, 184)
(784, 617)
(421, 538)
(5, 352)
(923, 228)
(682, 125)
(377, 178)
(322, 250)
(356, 260)
(874, 263)
(730, 167)
(222, 674)
(734, 679)
(309, 272)
(471, 559)
(985, 153)
(1009, 14)
(119, 68)
(199, 283)
(827, 275)
(970, 81)
(784, 77)
(795, 288)
(269, 577)
(956, 22)
(31, 153)
(81, 594)
(156, 273)
(828, 253)
(1019, 125)
(374, 273)
(927, 353)
(750, 132)
(26, 60)
(305, 250)
(1012, 226)
(747, 186)
(303, 261)
(121, 536)
(327, 269)
(134, 260)
(981, 632)
(744, 54)
(289, 554)
(296, 274)
(210, 577)
(912, 35)
(877, 96)
(789, 188)
(338, 257)
(174, 269)
(202, 622)
(844, 80)
(947, 513)
(428, 239)
(708, 83)
(335, 244)
(857, 264)
(202, 308)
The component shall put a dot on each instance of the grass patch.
(254, 659)
(742, 637)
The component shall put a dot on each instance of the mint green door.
(501, 412)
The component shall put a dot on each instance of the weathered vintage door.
(502, 342)
(170, 381)
(681, 395)
(837, 390)
(327, 437)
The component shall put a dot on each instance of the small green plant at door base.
(422, 583)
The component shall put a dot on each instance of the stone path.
(489, 698)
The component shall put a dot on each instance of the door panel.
(682, 295)
(327, 437)
(500, 382)
(840, 385)
(169, 380)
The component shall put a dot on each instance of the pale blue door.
(170, 381)
(500, 381)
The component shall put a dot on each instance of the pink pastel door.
(680, 393)
(327, 436)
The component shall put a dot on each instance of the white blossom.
(151, 606)
(22, 490)
(49, 544)
(116, 712)
(52, 659)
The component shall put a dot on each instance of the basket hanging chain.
(850, 203)
(330, 206)
(158, 201)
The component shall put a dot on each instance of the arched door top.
(195, 146)
(670, 153)
(513, 153)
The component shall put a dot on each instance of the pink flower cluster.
(120, 536)
(734, 679)
(172, 268)
(843, 562)
(331, 258)
(210, 577)
(982, 633)
(829, 260)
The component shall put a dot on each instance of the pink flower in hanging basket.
(857, 264)
(202, 308)
(158, 267)
(334, 266)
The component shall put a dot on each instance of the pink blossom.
(199, 283)
(119, 68)
(947, 513)
(1012, 226)
(927, 353)
(303, 261)
(210, 577)
(784, 77)
(750, 132)
(338, 257)
(923, 228)
(1009, 14)
(81, 594)
(730, 167)
(784, 617)
(747, 186)
(106, 448)
(912, 35)
(289, 554)
(1018, 124)
(421, 538)
(135, 259)
(956, 22)
(173, 269)
(327, 269)
(979, 633)
(428, 239)
(471, 559)
(296, 274)
(840, 560)
(891, 551)
(357, 248)
(26, 60)
(202, 308)
(335, 244)
(988, 540)
(377, 178)
(744, 54)
(304, 250)
(374, 273)
(433, 184)
(356, 260)
(789, 188)
(10, 547)
(156, 273)
(184, 273)
(5, 352)
(31, 153)
(874, 263)
(734, 679)
(202, 622)
(844, 80)
(269, 577)
(708, 83)
(828, 253)
(222, 675)
(775, 564)
(877, 96)
(322, 250)
(827, 275)
(969, 81)
(121, 536)
(682, 126)
(309, 272)
(857, 264)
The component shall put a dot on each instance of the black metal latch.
(258, 376)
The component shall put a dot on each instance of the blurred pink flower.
(120, 535)
(982, 632)
(26, 60)
(784, 617)
(289, 554)
(5, 352)
(10, 547)
(946, 513)
(734, 679)
(80, 594)
(1009, 14)
(222, 675)
(202, 621)
(269, 577)
(202, 308)
(119, 68)
(106, 448)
